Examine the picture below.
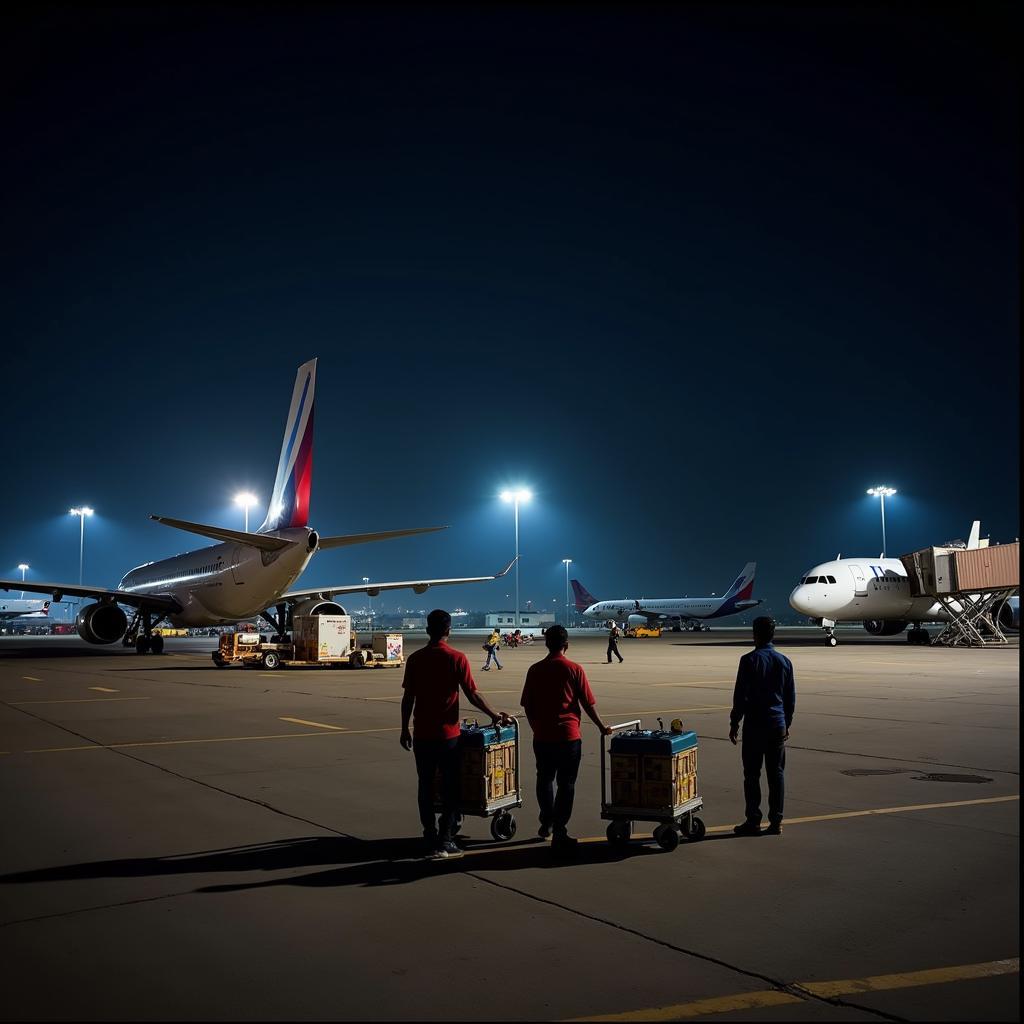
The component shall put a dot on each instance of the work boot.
(450, 850)
(748, 828)
(544, 831)
(774, 829)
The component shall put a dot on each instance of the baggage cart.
(489, 789)
(676, 819)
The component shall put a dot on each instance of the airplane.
(686, 610)
(246, 574)
(876, 592)
(28, 609)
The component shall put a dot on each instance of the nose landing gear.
(830, 637)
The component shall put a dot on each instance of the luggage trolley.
(660, 799)
(490, 777)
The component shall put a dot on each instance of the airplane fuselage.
(673, 607)
(224, 583)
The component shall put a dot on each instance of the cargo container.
(322, 637)
(991, 568)
(389, 645)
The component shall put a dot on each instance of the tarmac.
(187, 843)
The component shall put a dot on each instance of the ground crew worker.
(556, 690)
(492, 644)
(613, 643)
(433, 677)
(764, 700)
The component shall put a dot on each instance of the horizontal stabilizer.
(365, 538)
(255, 540)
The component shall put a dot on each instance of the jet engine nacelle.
(636, 620)
(1008, 613)
(885, 627)
(318, 606)
(101, 623)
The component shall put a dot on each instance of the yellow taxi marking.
(32, 679)
(821, 989)
(77, 700)
(317, 725)
(215, 739)
(103, 689)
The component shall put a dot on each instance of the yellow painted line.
(821, 989)
(32, 679)
(103, 689)
(77, 700)
(317, 725)
(885, 810)
(216, 739)
(720, 1004)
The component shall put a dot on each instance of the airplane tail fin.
(974, 541)
(584, 599)
(743, 587)
(289, 504)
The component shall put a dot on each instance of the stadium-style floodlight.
(246, 500)
(516, 496)
(366, 579)
(567, 562)
(882, 493)
(23, 566)
(81, 513)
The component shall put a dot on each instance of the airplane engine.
(636, 620)
(101, 623)
(1008, 613)
(318, 606)
(885, 627)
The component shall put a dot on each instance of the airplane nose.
(799, 600)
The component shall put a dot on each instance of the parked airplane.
(247, 575)
(27, 609)
(688, 611)
(876, 591)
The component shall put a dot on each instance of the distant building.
(414, 622)
(532, 619)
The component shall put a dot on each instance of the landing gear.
(279, 623)
(830, 637)
(142, 645)
(156, 644)
(140, 633)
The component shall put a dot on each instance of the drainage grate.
(943, 777)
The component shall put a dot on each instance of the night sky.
(698, 276)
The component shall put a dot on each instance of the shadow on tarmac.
(365, 862)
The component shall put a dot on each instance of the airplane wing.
(59, 591)
(373, 589)
(365, 538)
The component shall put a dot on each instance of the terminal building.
(507, 620)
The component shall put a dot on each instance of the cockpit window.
(831, 579)
(811, 579)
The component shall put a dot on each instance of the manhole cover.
(856, 772)
(944, 777)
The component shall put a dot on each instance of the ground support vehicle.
(639, 631)
(654, 778)
(490, 777)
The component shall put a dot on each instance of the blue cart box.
(649, 742)
(485, 735)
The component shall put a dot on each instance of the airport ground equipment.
(489, 785)
(653, 778)
(969, 584)
(641, 631)
(327, 641)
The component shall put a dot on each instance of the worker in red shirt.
(433, 677)
(556, 690)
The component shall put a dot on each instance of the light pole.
(883, 493)
(23, 566)
(246, 501)
(516, 496)
(369, 597)
(81, 513)
(567, 562)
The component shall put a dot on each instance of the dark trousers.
(764, 745)
(613, 648)
(557, 762)
(431, 755)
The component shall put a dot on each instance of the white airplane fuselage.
(681, 607)
(227, 582)
(863, 589)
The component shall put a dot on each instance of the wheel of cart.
(499, 810)
(682, 824)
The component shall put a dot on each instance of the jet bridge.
(969, 584)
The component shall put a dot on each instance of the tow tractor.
(317, 641)
(643, 631)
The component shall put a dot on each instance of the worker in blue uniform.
(764, 701)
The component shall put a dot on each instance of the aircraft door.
(860, 583)
(237, 557)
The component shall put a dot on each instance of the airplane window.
(811, 579)
(831, 579)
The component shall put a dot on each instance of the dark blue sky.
(699, 276)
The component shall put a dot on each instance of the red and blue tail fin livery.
(740, 596)
(584, 599)
(289, 505)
